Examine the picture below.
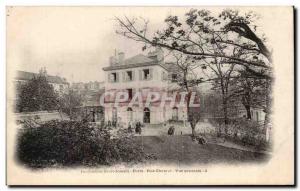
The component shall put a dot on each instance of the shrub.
(69, 143)
(247, 131)
(241, 130)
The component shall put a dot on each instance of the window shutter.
(133, 72)
(124, 77)
(151, 73)
(169, 76)
(140, 75)
(117, 77)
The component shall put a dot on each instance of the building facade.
(140, 75)
(89, 86)
(59, 84)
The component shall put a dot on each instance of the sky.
(73, 42)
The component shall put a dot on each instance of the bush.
(69, 143)
(247, 131)
(241, 130)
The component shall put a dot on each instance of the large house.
(140, 74)
(59, 84)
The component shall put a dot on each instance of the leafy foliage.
(223, 44)
(69, 101)
(247, 132)
(70, 143)
(37, 95)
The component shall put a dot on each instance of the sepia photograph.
(150, 95)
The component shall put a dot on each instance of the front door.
(146, 115)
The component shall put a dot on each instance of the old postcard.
(150, 95)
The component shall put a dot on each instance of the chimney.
(157, 54)
(112, 60)
(160, 54)
(121, 57)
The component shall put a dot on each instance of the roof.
(22, 75)
(172, 67)
(93, 98)
(139, 60)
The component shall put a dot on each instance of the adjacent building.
(59, 84)
(89, 86)
(91, 109)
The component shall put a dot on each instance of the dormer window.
(174, 78)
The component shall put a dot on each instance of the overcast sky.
(73, 42)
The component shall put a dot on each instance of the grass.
(181, 149)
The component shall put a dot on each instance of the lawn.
(181, 149)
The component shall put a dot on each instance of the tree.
(241, 26)
(187, 79)
(69, 101)
(227, 38)
(251, 91)
(195, 34)
(37, 95)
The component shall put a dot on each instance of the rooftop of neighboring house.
(153, 58)
(87, 85)
(93, 98)
(22, 75)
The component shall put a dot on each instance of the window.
(146, 74)
(61, 87)
(175, 113)
(130, 114)
(129, 76)
(174, 78)
(129, 94)
(113, 77)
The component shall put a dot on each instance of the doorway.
(146, 115)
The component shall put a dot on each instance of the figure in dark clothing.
(114, 124)
(138, 128)
(129, 128)
(109, 123)
(171, 130)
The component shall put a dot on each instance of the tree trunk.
(225, 112)
(248, 111)
(193, 129)
(60, 113)
(246, 101)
